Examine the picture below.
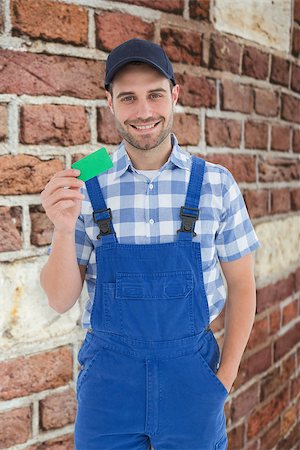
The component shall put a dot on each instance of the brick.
(295, 81)
(286, 342)
(242, 167)
(274, 293)
(255, 63)
(256, 135)
(1, 16)
(236, 437)
(224, 54)
(182, 123)
(106, 129)
(270, 383)
(10, 228)
(57, 410)
(276, 378)
(26, 375)
(253, 446)
(280, 201)
(279, 71)
(295, 386)
(287, 368)
(15, 426)
(270, 437)
(3, 123)
(244, 402)
(278, 169)
(75, 157)
(289, 312)
(288, 420)
(266, 102)
(199, 9)
(280, 138)
(222, 132)
(260, 419)
(297, 280)
(196, 91)
(297, 10)
(128, 27)
(40, 74)
(296, 141)
(54, 124)
(182, 46)
(259, 333)
(26, 174)
(256, 202)
(295, 199)
(50, 21)
(253, 365)
(291, 441)
(296, 41)
(65, 442)
(274, 321)
(170, 6)
(236, 97)
(290, 108)
(41, 226)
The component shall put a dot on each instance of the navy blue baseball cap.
(138, 50)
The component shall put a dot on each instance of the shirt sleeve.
(83, 244)
(235, 236)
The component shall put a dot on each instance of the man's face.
(143, 105)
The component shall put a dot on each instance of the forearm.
(60, 277)
(239, 318)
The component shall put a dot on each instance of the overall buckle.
(188, 220)
(104, 224)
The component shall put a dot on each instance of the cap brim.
(125, 61)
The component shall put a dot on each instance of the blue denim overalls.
(148, 362)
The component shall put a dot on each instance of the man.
(149, 236)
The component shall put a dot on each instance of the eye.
(127, 99)
(155, 95)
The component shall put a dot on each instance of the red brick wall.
(240, 107)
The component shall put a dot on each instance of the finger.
(64, 173)
(62, 194)
(67, 173)
(63, 182)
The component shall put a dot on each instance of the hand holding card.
(93, 164)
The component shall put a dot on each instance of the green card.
(93, 164)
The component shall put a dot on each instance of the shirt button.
(151, 221)
(150, 186)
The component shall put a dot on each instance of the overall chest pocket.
(151, 286)
(155, 306)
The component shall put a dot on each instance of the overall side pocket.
(85, 357)
(209, 354)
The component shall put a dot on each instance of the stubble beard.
(144, 143)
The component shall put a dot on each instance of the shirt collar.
(178, 157)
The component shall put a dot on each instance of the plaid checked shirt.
(147, 211)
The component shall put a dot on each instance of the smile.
(145, 127)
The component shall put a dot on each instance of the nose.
(143, 110)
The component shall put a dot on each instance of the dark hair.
(135, 63)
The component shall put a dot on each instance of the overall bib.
(148, 362)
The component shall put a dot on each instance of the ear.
(175, 93)
(109, 101)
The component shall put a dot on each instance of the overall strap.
(189, 213)
(101, 214)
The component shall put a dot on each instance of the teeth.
(144, 127)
